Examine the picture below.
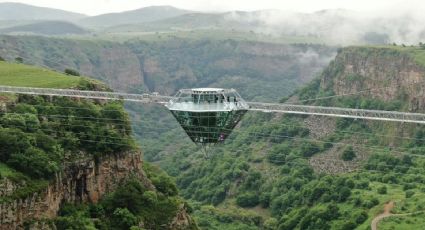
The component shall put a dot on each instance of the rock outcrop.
(381, 73)
(85, 180)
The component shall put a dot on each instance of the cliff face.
(167, 66)
(381, 73)
(81, 181)
(113, 63)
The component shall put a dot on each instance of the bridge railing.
(418, 118)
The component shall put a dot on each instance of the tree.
(74, 221)
(34, 162)
(348, 154)
(2, 59)
(247, 200)
(360, 217)
(409, 193)
(270, 223)
(19, 60)
(129, 196)
(72, 72)
(382, 190)
(123, 219)
(344, 193)
(309, 149)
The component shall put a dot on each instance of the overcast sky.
(94, 7)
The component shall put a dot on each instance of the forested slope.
(299, 172)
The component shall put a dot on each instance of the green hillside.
(146, 14)
(45, 28)
(13, 74)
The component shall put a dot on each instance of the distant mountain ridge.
(146, 14)
(46, 28)
(19, 11)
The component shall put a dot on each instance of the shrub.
(360, 217)
(348, 154)
(344, 193)
(165, 185)
(150, 197)
(128, 195)
(72, 72)
(309, 149)
(19, 60)
(409, 193)
(382, 190)
(34, 162)
(122, 218)
(2, 59)
(247, 200)
(75, 221)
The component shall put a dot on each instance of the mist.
(340, 26)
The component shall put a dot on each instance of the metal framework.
(339, 112)
(253, 106)
(102, 95)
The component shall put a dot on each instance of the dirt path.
(387, 213)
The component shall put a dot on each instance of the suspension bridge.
(395, 116)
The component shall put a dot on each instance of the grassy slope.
(416, 52)
(416, 221)
(12, 74)
(6, 171)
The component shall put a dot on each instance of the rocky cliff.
(260, 69)
(113, 63)
(386, 74)
(82, 181)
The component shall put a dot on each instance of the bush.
(344, 193)
(382, 190)
(123, 219)
(72, 72)
(128, 195)
(165, 185)
(360, 217)
(75, 221)
(247, 200)
(150, 197)
(409, 193)
(348, 154)
(309, 149)
(34, 162)
(2, 59)
(19, 60)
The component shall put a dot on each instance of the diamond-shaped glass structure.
(208, 115)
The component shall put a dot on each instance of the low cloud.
(340, 26)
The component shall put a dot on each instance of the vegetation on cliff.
(40, 136)
(131, 206)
